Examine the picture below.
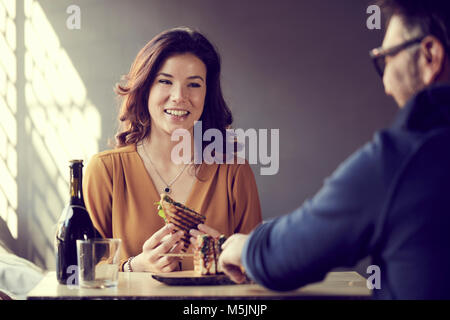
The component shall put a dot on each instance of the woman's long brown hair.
(134, 118)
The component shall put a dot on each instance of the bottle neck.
(76, 184)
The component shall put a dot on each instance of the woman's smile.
(176, 114)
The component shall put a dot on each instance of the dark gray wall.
(298, 66)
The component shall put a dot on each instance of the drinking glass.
(98, 262)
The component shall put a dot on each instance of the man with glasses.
(391, 199)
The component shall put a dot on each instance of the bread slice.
(206, 254)
(218, 250)
(182, 217)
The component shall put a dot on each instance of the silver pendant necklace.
(168, 186)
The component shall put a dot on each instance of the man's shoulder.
(379, 159)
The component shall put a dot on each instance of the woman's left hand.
(203, 229)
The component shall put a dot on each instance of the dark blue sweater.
(389, 200)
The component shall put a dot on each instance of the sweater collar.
(429, 109)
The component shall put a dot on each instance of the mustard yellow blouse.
(120, 197)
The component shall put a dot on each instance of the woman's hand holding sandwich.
(161, 242)
(203, 229)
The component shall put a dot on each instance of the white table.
(139, 285)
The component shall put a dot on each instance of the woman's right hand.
(162, 241)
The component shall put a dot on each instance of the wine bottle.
(75, 224)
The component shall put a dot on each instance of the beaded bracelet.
(129, 268)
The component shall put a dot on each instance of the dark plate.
(187, 278)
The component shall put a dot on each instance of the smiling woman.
(177, 95)
(173, 82)
(148, 65)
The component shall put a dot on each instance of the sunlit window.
(8, 122)
(58, 122)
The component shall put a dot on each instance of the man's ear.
(433, 59)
